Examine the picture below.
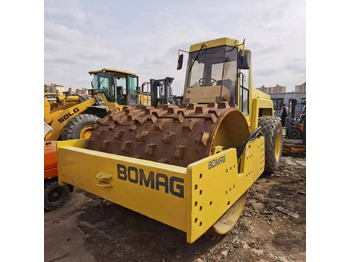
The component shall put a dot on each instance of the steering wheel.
(200, 82)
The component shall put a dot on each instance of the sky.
(144, 36)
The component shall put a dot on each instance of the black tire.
(73, 128)
(294, 133)
(54, 194)
(272, 131)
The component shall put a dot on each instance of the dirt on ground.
(271, 228)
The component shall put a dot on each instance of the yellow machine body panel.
(190, 199)
(213, 43)
(216, 184)
(110, 105)
(144, 99)
(259, 94)
(260, 107)
(153, 189)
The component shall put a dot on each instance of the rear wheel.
(79, 127)
(272, 131)
(54, 195)
(294, 133)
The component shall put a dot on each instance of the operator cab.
(117, 86)
(218, 70)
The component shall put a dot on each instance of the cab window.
(133, 83)
(244, 91)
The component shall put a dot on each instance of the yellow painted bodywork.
(144, 99)
(265, 105)
(110, 105)
(213, 43)
(210, 189)
(79, 167)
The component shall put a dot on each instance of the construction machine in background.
(117, 88)
(295, 143)
(72, 116)
(188, 166)
(294, 125)
(161, 92)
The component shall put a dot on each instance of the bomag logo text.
(68, 115)
(216, 162)
(173, 185)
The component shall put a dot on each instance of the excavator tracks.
(177, 135)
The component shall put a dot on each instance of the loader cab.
(218, 70)
(116, 86)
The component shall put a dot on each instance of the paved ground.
(271, 228)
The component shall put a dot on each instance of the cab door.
(244, 93)
(133, 83)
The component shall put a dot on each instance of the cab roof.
(216, 42)
(111, 70)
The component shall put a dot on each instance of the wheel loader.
(72, 116)
(188, 166)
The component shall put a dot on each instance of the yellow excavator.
(188, 166)
(72, 116)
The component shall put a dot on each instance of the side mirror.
(180, 61)
(138, 90)
(243, 61)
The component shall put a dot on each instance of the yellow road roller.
(188, 166)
